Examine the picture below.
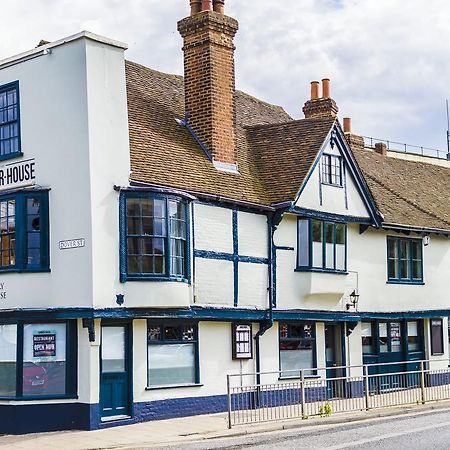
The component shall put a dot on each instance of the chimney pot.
(196, 6)
(207, 5)
(381, 148)
(347, 125)
(314, 90)
(326, 88)
(219, 6)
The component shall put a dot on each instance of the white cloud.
(387, 59)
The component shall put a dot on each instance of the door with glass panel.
(115, 385)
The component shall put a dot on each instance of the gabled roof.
(164, 152)
(284, 153)
(274, 156)
(406, 192)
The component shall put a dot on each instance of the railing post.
(229, 401)
(422, 382)
(366, 386)
(302, 390)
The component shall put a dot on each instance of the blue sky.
(387, 59)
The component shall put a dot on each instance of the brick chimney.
(323, 106)
(209, 81)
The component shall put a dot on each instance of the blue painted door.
(115, 389)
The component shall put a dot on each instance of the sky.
(388, 60)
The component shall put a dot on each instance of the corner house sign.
(18, 174)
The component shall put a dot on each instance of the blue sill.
(311, 377)
(14, 270)
(313, 269)
(11, 156)
(150, 278)
(418, 283)
(40, 397)
(173, 386)
(331, 184)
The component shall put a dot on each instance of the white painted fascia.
(39, 51)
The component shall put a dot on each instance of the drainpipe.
(273, 220)
(268, 322)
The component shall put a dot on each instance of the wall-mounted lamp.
(354, 297)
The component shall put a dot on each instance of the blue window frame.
(10, 145)
(154, 237)
(322, 246)
(404, 260)
(331, 167)
(24, 232)
(38, 360)
(172, 354)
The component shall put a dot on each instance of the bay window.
(154, 237)
(322, 245)
(172, 354)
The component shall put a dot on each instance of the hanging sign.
(18, 174)
(242, 341)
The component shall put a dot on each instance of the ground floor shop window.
(172, 353)
(387, 337)
(297, 348)
(38, 360)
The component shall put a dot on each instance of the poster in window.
(44, 344)
(437, 338)
(242, 341)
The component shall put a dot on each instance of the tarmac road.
(429, 430)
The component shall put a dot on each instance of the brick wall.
(209, 80)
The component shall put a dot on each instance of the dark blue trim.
(316, 269)
(208, 313)
(283, 247)
(418, 230)
(320, 215)
(235, 258)
(344, 181)
(206, 254)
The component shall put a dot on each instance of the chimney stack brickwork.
(321, 107)
(210, 80)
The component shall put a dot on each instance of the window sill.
(16, 270)
(313, 269)
(307, 377)
(418, 283)
(150, 278)
(40, 397)
(332, 184)
(11, 156)
(173, 386)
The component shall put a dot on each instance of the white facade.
(73, 120)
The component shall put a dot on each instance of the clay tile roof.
(407, 192)
(284, 153)
(164, 153)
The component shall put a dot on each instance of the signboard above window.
(18, 174)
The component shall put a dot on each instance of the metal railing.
(330, 390)
(406, 148)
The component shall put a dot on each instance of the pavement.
(176, 432)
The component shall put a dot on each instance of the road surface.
(423, 431)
